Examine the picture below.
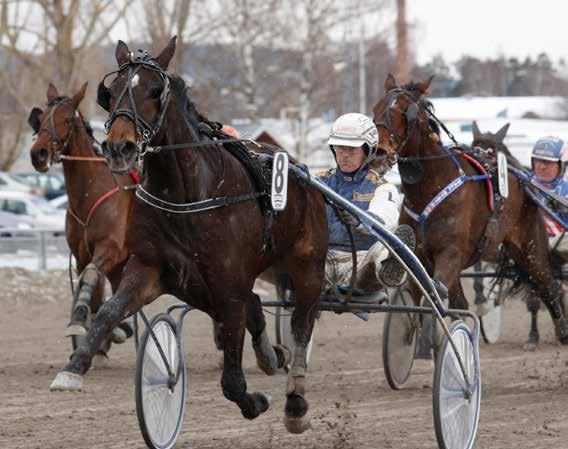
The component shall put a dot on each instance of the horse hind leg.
(296, 418)
(533, 306)
(233, 380)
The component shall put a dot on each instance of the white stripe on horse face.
(135, 80)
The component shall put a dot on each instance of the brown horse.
(461, 228)
(495, 142)
(198, 229)
(98, 211)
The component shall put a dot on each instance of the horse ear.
(121, 53)
(475, 130)
(167, 53)
(103, 96)
(390, 83)
(78, 97)
(500, 136)
(423, 87)
(52, 93)
(33, 119)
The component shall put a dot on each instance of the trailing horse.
(98, 210)
(201, 230)
(445, 200)
(495, 142)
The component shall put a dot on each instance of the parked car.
(10, 182)
(15, 225)
(60, 203)
(53, 185)
(34, 207)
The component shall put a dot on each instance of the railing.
(33, 248)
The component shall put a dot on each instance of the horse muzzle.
(121, 155)
(40, 159)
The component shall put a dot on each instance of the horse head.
(489, 140)
(137, 100)
(53, 127)
(402, 120)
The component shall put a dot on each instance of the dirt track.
(524, 401)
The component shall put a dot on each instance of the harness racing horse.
(197, 230)
(98, 210)
(446, 204)
(495, 142)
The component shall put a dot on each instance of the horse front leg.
(268, 358)
(140, 285)
(233, 380)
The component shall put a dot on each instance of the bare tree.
(45, 41)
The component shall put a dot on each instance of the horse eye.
(155, 92)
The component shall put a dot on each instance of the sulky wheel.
(160, 401)
(283, 322)
(400, 335)
(456, 411)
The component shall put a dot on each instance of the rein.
(142, 59)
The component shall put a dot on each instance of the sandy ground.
(524, 401)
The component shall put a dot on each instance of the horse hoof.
(260, 404)
(118, 336)
(75, 330)
(66, 381)
(283, 354)
(530, 346)
(297, 425)
(100, 361)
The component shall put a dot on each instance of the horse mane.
(180, 93)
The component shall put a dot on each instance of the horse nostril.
(43, 154)
(129, 147)
(107, 147)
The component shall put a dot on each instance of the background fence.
(34, 249)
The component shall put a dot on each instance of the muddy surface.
(524, 400)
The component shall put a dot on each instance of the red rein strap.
(97, 203)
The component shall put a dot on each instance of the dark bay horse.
(461, 228)
(97, 212)
(212, 256)
(495, 141)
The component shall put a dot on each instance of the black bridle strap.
(198, 206)
(58, 145)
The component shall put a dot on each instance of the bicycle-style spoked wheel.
(400, 335)
(160, 405)
(456, 410)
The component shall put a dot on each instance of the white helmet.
(355, 130)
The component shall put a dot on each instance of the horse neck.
(438, 173)
(182, 175)
(85, 181)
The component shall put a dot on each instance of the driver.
(353, 140)
(548, 161)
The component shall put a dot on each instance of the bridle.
(58, 145)
(412, 125)
(411, 114)
(145, 131)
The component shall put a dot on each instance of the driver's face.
(546, 171)
(349, 159)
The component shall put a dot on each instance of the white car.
(43, 214)
(60, 203)
(12, 183)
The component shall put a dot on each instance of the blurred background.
(283, 70)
